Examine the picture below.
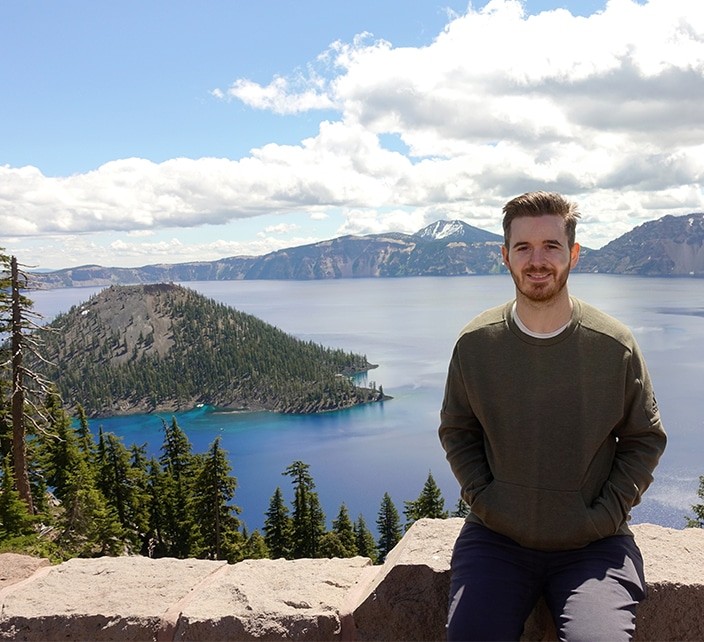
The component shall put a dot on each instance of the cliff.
(133, 598)
(670, 246)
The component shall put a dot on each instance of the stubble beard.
(541, 292)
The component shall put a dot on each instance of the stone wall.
(136, 598)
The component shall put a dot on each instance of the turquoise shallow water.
(408, 327)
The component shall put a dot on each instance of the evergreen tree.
(213, 491)
(86, 442)
(317, 524)
(364, 540)
(123, 487)
(176, 491)
(308, 519)
(157, 540)
(331, 546)
(15, 519)
(5, 416)
(698, 520)
(343, 528)
(88, 526)
(461, 509)
(255, 548)
(17, 320)
(278, 527)
(58, 451)
(389, 525)
(429, 503)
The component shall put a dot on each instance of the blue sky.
(160, 132)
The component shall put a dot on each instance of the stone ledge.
(136, 598)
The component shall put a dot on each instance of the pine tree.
(331, 546)
(176, 491)
(461, 509)
(158, 536)
(213, 492)
(429, 503)
(85, 438)
(5, 416)
(27, 386)
(389, 525)
(88, 526)
(15, 519)
(255, 548)
(278, 527)
(364, 540)
(308, 519)
(123, 486)
(342, 527)
(698, 520)
(59, 452)
(317, 524)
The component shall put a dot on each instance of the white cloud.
(606, 108)
(359, 222)
(281, 228)
(279, 96)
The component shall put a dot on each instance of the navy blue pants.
(592, 592)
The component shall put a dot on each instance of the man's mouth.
(539, 276)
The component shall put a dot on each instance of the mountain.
(165, 348)
(457, 231)
(447, 248)
(669, 246)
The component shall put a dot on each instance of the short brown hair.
(539, 204)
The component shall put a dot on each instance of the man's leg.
(593, 592)
(494, 586)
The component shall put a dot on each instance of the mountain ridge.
(668, 246)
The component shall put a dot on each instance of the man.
(550, 425)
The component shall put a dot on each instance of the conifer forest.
(66, 492)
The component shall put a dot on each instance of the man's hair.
(538, 204)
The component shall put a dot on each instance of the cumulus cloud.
(279, 96)
(605, 108)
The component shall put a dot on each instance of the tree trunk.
(19, 448)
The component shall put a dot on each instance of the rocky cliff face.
(670, 246)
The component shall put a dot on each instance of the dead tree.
(25, 383)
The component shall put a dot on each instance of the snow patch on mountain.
(456, 230)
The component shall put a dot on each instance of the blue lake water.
(408, 327)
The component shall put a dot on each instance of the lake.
(408, 327)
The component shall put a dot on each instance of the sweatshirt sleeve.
(462, 435)
(641, 441)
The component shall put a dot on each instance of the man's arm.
(462, 435)
(641, 442)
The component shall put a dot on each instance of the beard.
(544, 291)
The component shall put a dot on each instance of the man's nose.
(537, 255)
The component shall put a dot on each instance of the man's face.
(538, 256)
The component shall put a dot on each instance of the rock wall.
(136, 598)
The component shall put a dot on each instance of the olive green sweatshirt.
(552, 440)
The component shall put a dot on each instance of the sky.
(168, 131)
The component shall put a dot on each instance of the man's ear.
(504, 254)
(574, 255)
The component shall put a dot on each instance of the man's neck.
(544, 316)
